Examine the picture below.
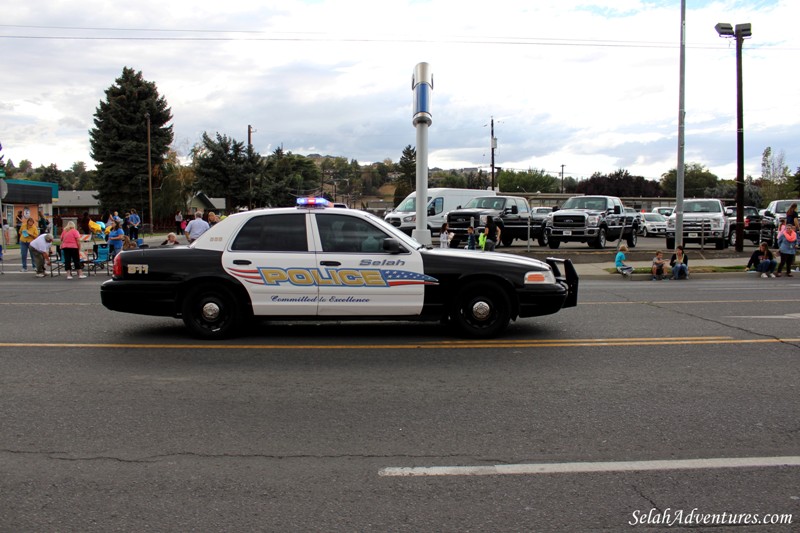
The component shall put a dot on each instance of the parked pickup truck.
(593, 220)
(704, 221)
(757, 228)
(511, 213)
(777, 209)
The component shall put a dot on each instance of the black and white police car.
(320, 263)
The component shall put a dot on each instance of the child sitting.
(659, 263)
(619, 262)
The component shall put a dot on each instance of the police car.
(321, 263)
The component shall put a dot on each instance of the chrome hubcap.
(211, 311)
(481, 310)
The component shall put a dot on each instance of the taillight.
(118, 266)
(746, 222)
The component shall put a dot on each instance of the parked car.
(317, 263)
(653, 224)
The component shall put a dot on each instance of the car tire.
(720, 244)
(543, 240)
(670, 244)
(632, 239)
(481, 310)
(507, 241)
(553, 243)
(731, 238)
(211, 312)
(600, 241)
(644, 232)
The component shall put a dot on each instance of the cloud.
(592, 85)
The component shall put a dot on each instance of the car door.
(359, 278)
(270, 255)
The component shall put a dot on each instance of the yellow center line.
(545, 343)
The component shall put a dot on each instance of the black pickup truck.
(511, 213)
(757, 228)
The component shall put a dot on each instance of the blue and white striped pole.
(422, 85)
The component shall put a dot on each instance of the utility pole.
(494, 147)
(149, 175)
(562, 179)
(250, 179)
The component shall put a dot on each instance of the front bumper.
(537, 303)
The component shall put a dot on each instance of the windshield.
(409, 205)
(783, 206)
(654, 217)
(396, 233)
(701, 206)
(486, 202)
(585, 202)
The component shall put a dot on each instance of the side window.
(522, 206)
(438, 205)
(346, 234)
(273, 233)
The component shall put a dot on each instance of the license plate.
(567, 232)
(693, 235)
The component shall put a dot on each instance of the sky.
(592, 85)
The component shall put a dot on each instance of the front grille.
(569, 221)
(463, 221)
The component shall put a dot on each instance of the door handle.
(241, 262)
(330, 263)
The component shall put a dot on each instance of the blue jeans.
(680, 270)
(23, 251)
(767, 266)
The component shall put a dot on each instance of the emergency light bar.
(313, 202)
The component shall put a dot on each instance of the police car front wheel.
(210, 312)
(481, 310)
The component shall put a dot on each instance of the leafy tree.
(221, 169)
(618, 183)
(49, 174)
(407, 166)
(288, 176)
(119, 140)
(25, 167)
(796, 181)
(402, 190)
(176, 188)
(696, 179)
(527, 181)
(776, 182)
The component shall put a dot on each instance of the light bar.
(313, 202)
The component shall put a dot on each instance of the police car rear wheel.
(210, 312)
(481, 310)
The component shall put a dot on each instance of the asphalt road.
(115, 422)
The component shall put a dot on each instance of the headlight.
(717, 223)
(592, 220)
(671, 223)
(412, 218)
(539, 277)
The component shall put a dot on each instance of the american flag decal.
(405, 277)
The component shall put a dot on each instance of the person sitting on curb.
(763, 261)
(659, 263)
(619, 262)
(680, 264)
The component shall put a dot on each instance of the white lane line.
(573, 468)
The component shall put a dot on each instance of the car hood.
(468, 256)
(568, 212)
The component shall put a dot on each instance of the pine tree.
(119, 141)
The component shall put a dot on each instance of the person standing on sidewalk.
(40, 252)
(787, 241)
(71, 248)
(29, 232)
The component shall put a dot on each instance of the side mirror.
(555, 208)
(391, 245)
(617, 210)
(514, 210)
(769, 214)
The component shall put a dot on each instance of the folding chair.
(100, 260)
(56, 262)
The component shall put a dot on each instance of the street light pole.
(149, 175)
(740, 33)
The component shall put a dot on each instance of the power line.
(258, 35)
